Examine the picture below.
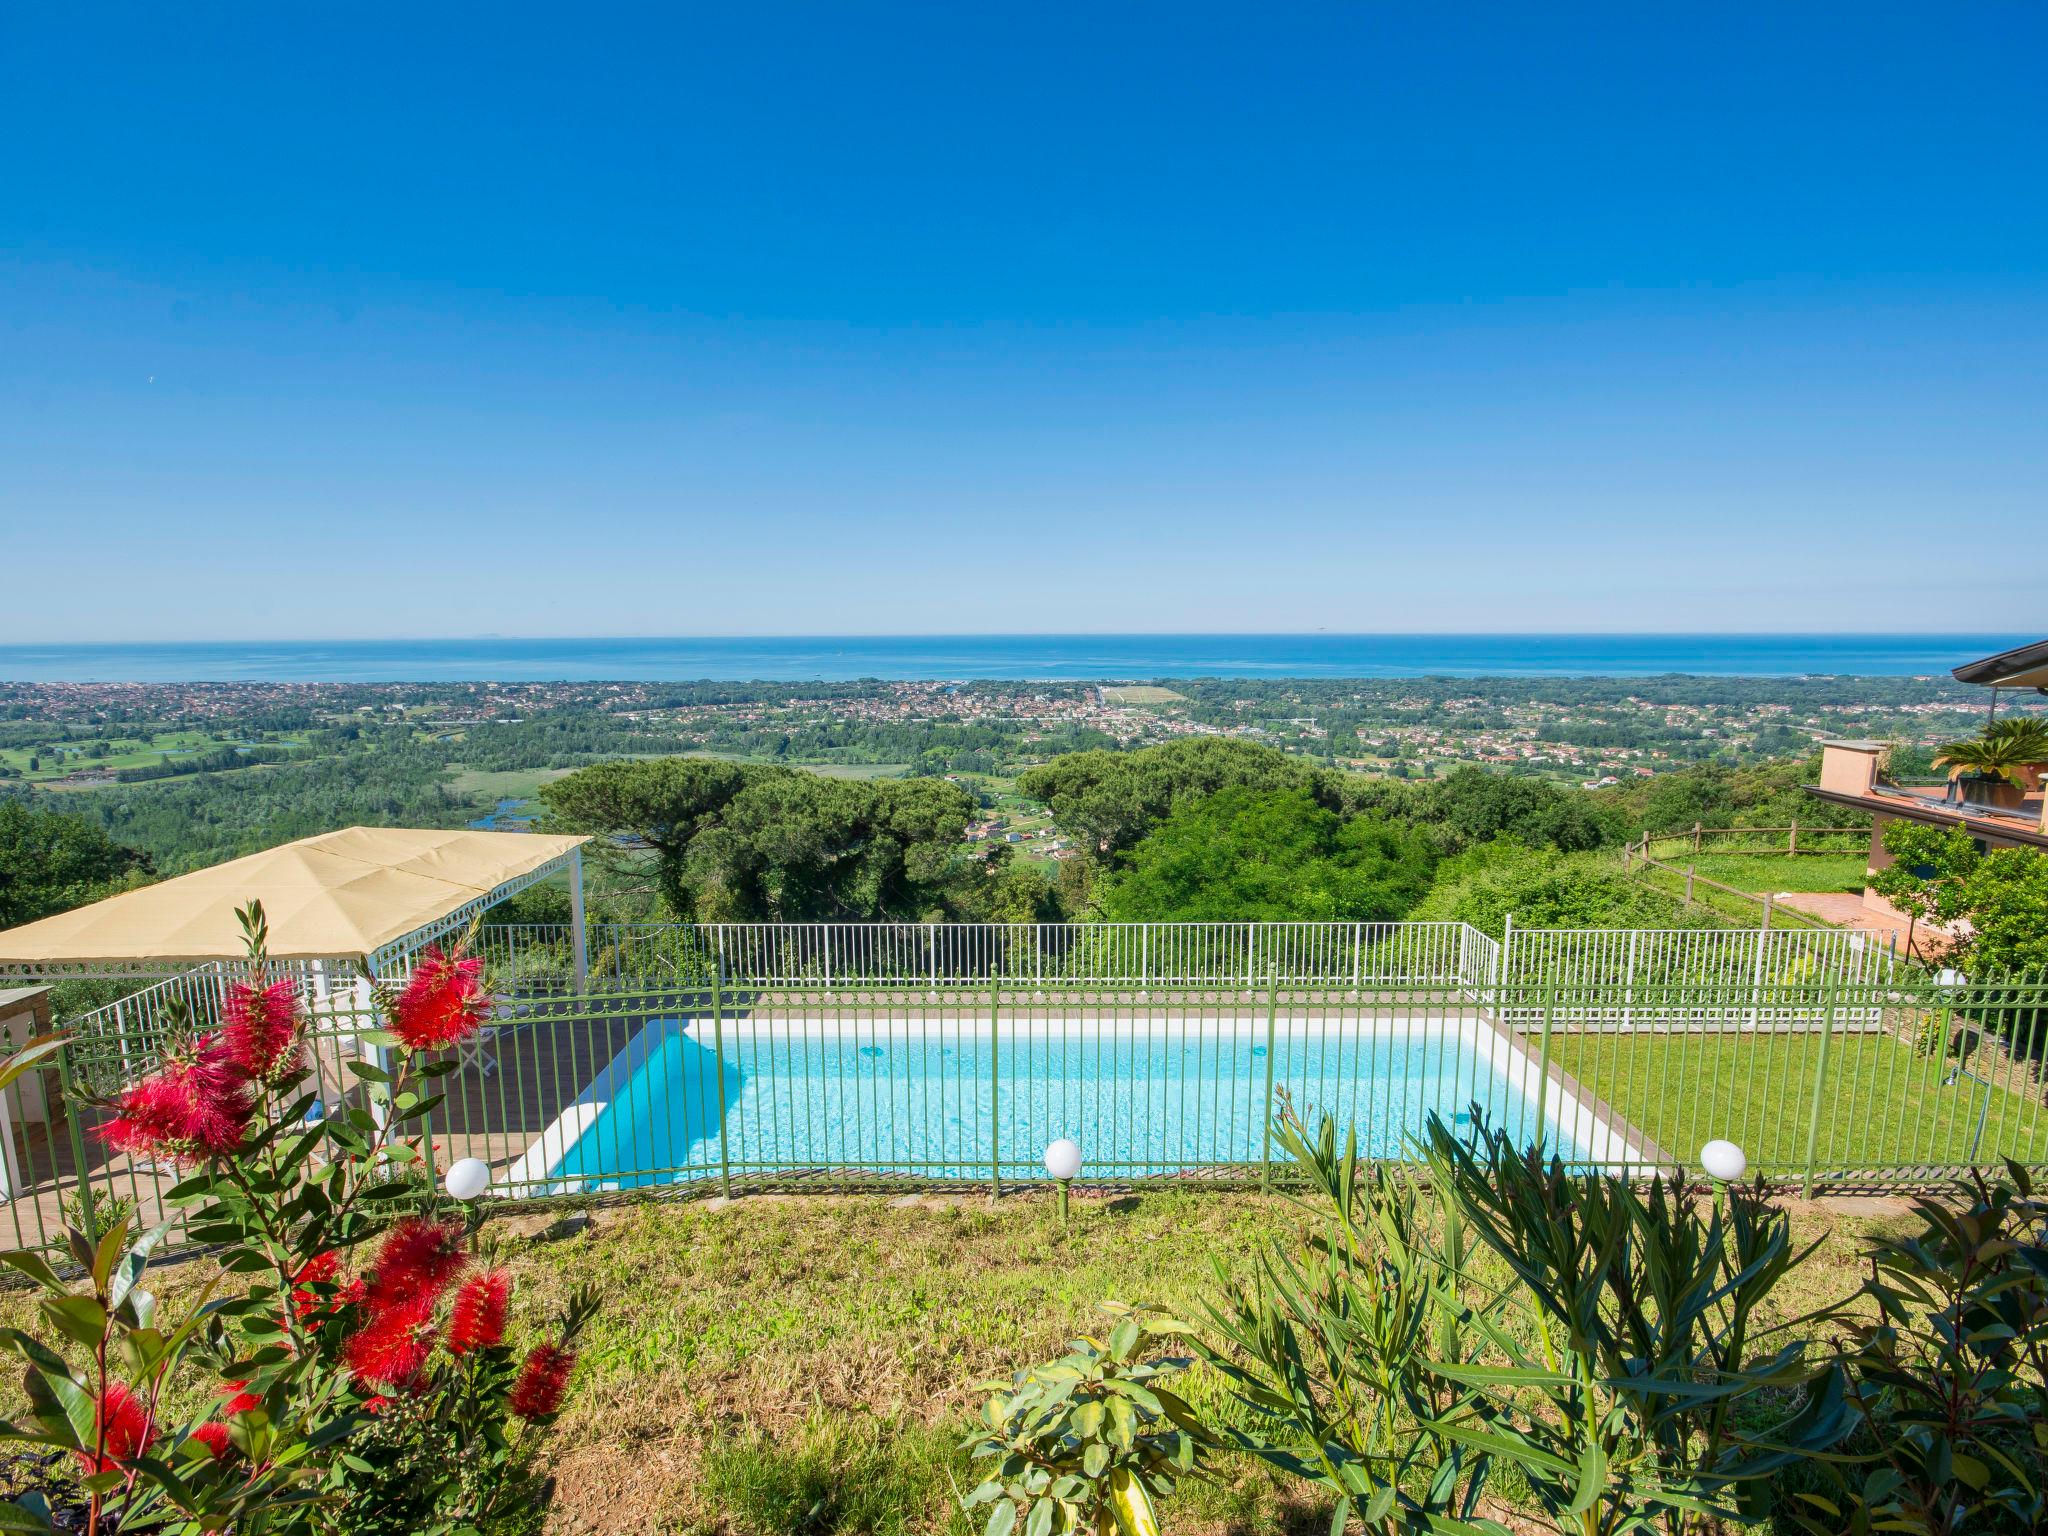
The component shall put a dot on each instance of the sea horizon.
(1022, 658)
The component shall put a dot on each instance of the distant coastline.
(1049, 658)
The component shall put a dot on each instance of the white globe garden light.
(1063, 1162)
(468, 1179)
(1063, 1159)
(1724, 1160)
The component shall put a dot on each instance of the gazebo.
(342, 909)
(364, 897)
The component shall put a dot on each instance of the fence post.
(67, 1086)
(1767, 913)
(1688, 884)
(1792, 842)
(995, 1089)
(1272, 1009)
(1695, 839)
(1543, 1059)
(718, 1045)
(1820, 1078)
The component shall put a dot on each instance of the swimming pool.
(941, 1099)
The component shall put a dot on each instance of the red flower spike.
(239, 1398)
(393, 1345)
(444, 1003)
(214, 1436)
(197, 1107)
(543, 1382)
(478, 1318)
(122, 1420)
(418, 1260)
(320, 1269)
(263, 1028)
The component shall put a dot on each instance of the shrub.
(1090, 1441)
(296, 1357)
(1947, 1373)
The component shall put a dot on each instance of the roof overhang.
(2007, 830)
(2024, 666)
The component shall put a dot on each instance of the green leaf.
(1001, 1520)
(25, 1515)
(36, 1267)
(34, 1053)
(79, 1318)
(133, 1263)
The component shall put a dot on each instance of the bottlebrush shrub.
(325, 1324)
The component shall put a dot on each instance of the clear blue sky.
(354, 320)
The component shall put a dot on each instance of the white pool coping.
(1567, 1113)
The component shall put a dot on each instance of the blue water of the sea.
(1025, 657)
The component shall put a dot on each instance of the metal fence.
(539, 955)
(1830, 1065)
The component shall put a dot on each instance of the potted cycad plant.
(2001, 766)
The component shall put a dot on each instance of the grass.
(1766, 874)
(503, 783)
(1882, 1102)
(1142, 695)
(806, 1364)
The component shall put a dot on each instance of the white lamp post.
(1724, 1161)
(1063, 1162)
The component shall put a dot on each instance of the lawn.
(1882, 1103)
(1767, 874)
(805, 1364)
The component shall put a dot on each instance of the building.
(1995, 815)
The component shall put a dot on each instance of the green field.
(61, 759)
(1766, 873)
(1142, 695)
(503, 783)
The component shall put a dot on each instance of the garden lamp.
(1063, 1162)
(466, 1180)
(1724, 1160)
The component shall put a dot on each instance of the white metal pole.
(579, 939)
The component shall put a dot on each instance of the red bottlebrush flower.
(443, 1004)
(376, 1405)
(122, 1421)
(417, 1261)
(393, 1345)
(478, 1318)
(239, 1399)
(318, 1270)
(197, 1107)
(214, 1436)
(543, 1382)
(262, 1028)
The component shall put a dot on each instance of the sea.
(959, 658)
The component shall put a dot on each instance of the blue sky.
(424, 320)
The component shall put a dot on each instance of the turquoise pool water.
(940, 1100)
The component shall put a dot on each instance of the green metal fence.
(1827, 1074)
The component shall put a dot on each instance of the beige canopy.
(339, 896)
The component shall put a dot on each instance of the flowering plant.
(305, 1346)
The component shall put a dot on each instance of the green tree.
(740, 842)
(51, 862)
(1929, 876)
(1269, 855)
(2008, 899)
(1111, 800)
